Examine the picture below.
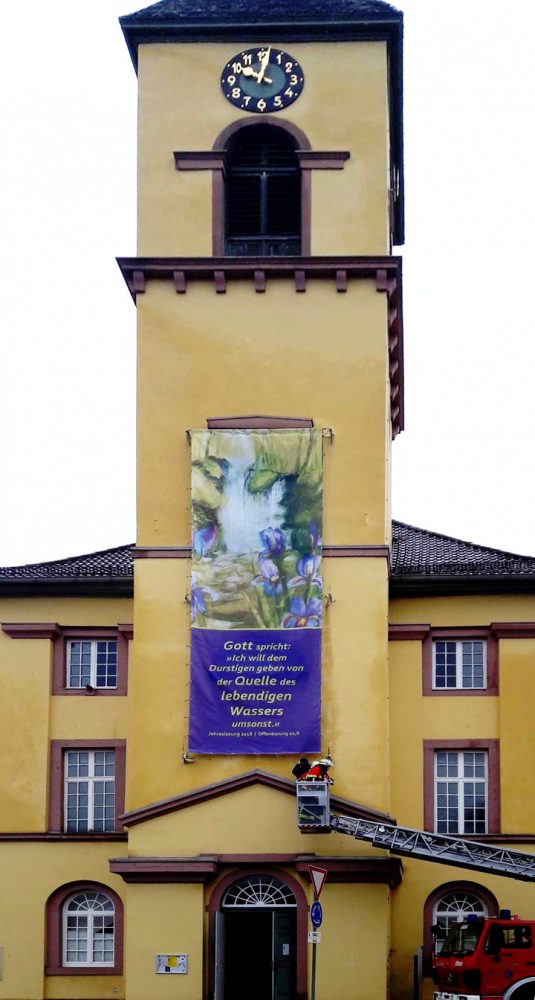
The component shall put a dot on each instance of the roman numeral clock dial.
(262, 79)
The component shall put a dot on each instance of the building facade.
(135, 861)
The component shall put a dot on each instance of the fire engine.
(481, 958)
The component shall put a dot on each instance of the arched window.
(88, 929)
(259, 890)
(449, 903)
(84, 930)
(263, 194)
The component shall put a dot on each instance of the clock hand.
(249, 71)
(264, 65)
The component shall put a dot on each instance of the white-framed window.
(452, 907)
(461, 791)
(88, 930)
(89, 791)
(92, 662)
(459, 663)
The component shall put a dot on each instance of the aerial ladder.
(314, 816)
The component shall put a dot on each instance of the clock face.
(262, 79)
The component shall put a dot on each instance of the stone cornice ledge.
(204, 868)
(328, 552)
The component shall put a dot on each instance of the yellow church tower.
(158, 700)
(269, 390)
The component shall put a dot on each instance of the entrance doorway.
(256, 938)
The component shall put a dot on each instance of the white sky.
(463, 466)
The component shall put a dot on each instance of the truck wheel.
(526, 992)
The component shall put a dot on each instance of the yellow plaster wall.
(252, 820)
(31, 872)
(164, 919)
(352, 959)
(182, 107)
(466, 609)
(24, 724)
(414, 718)
(318, 354)
(507, 717)
(30, 718)
(517, 712)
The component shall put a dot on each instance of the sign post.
(317, 877)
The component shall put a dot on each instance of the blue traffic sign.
(316, 914)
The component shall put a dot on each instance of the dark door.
(248, 955)
(260, 954)
(284, 954)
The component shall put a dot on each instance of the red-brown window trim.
(492, 747)
(59, 658)
(56, 787)
(54, 928)
(256, 422)
(454, 633)
(460, 885)
(216, 161)
(216, 900)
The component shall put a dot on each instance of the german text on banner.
(256, 591)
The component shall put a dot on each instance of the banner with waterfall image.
(256, 591)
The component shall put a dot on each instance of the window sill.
(75, 970)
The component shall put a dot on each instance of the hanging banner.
(256, 591)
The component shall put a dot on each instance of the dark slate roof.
(427, 561)
(109, 570)
(422, 561)
(238, 12)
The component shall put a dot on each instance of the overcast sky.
(463, 465)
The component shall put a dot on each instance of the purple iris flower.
(314, 536)
(303, 615)
(306, 567)
(204, 539)
(273, 541)
(269, 578)
(198, 603)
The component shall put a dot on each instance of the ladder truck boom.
(445, 850)
(314, 816)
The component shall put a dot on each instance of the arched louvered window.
(263, 194)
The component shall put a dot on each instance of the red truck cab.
(487, 959)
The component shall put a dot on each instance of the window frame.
(57, 785)
(90, 933)
(60, 665)
(491, 746)
(460, 783)
(93, 668)
(55, 932)
(455, 634)
(459, 666)
(91, 779)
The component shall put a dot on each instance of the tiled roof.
(105, 564)
(416, 554)
(253, 12)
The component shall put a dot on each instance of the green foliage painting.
(256, 500)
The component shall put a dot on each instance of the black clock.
(262, 79)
